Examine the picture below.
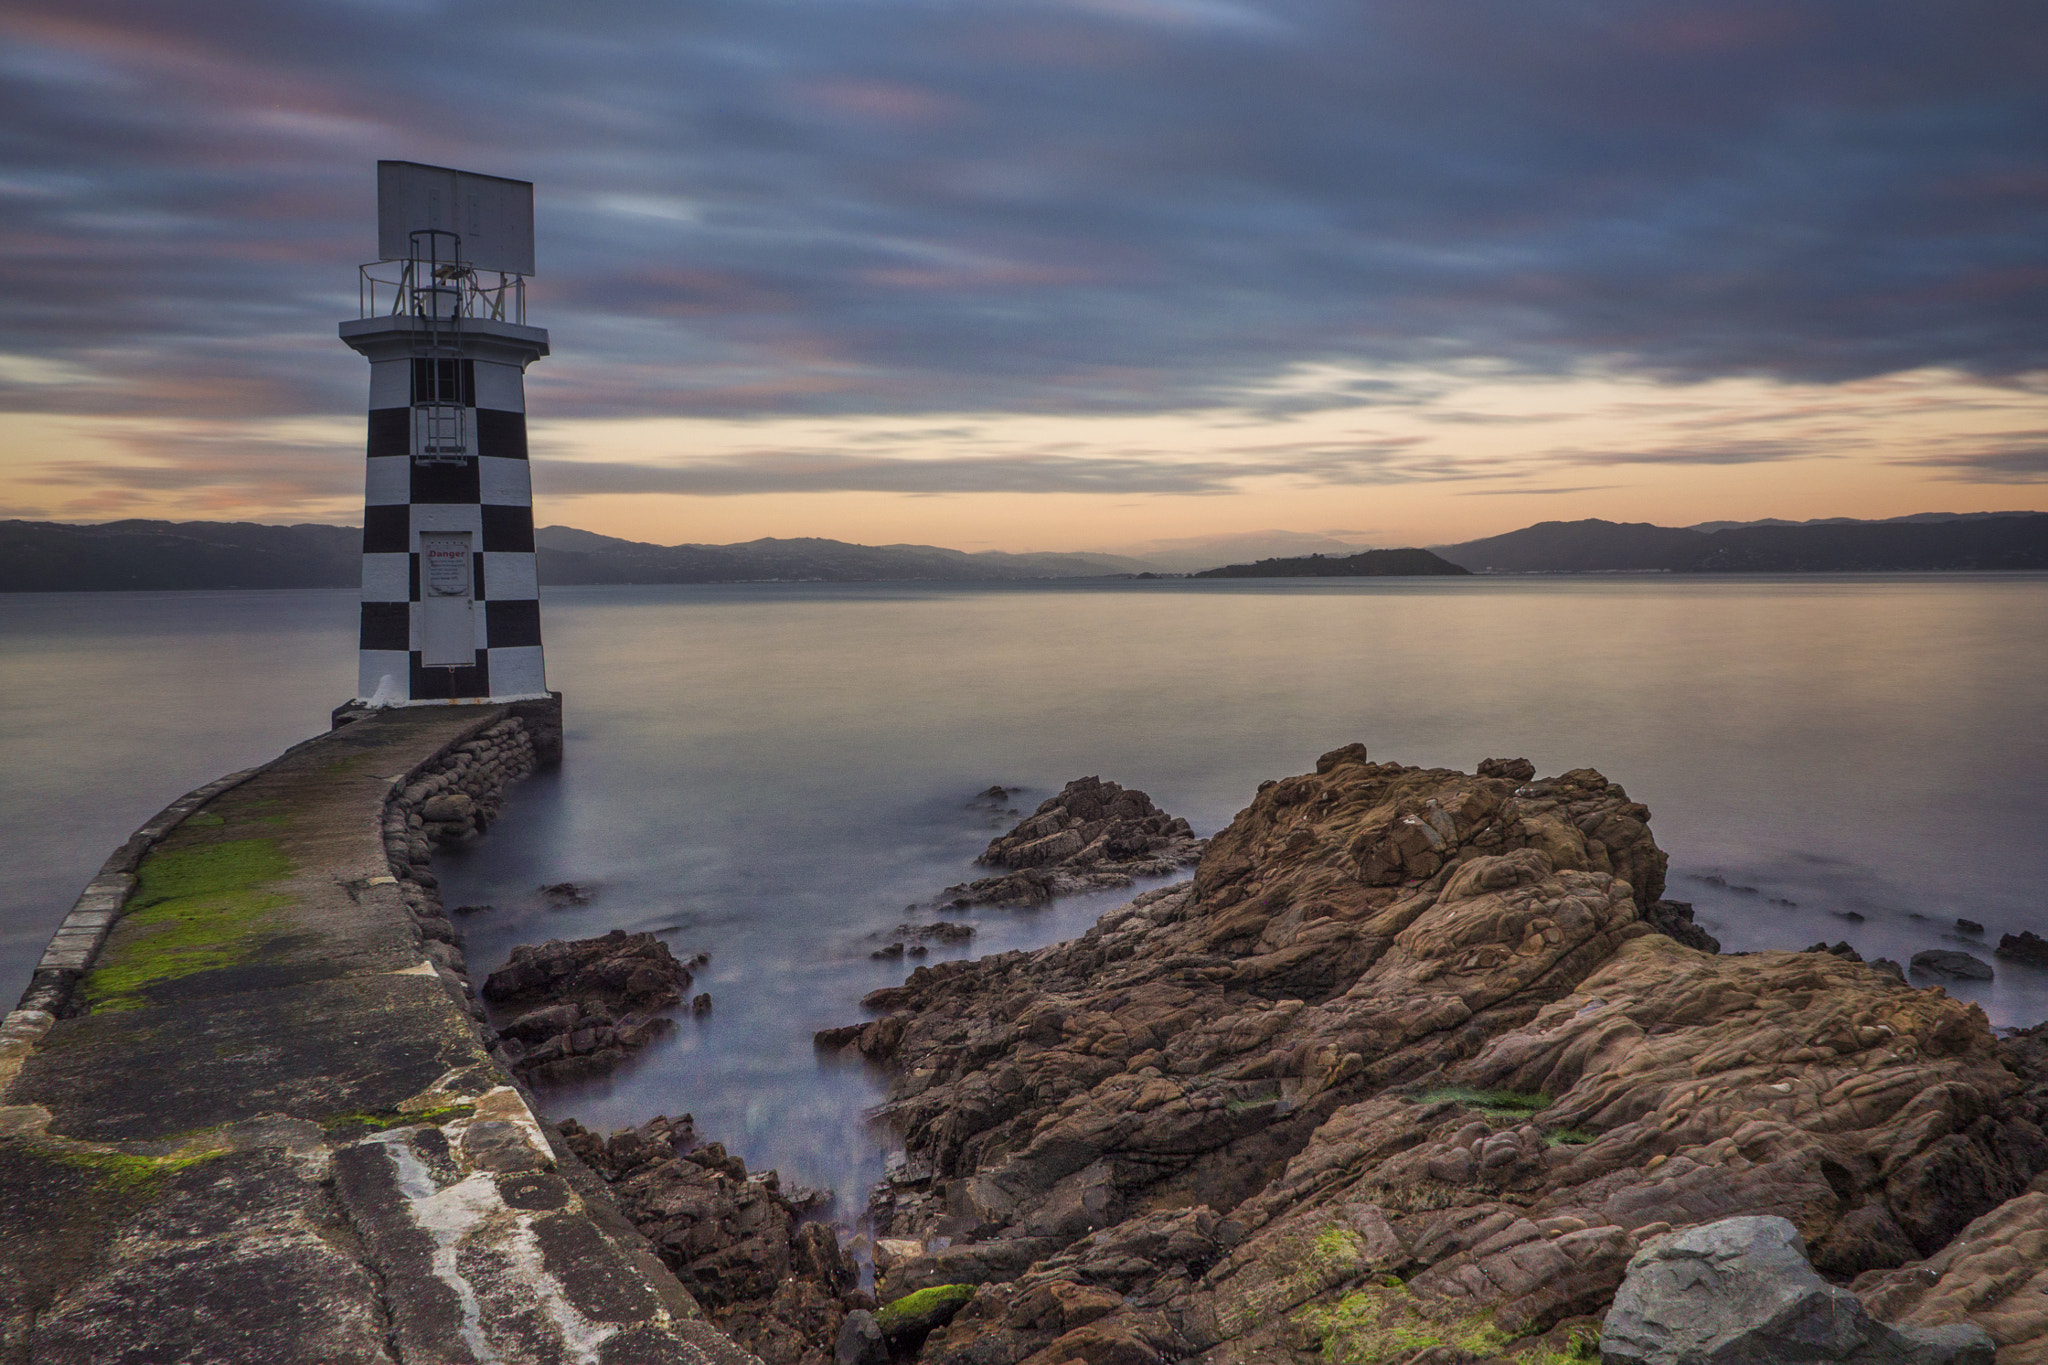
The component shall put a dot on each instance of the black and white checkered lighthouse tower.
(451, 607)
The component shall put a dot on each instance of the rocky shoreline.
(1415, 1070)
(1408, 1071)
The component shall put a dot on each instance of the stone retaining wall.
(452, 800)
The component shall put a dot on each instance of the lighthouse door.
(447, 601)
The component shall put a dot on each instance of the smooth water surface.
(773, 773)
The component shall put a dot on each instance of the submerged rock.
(1094, 834)
(1406, 1068)
(1951, 964)
(1740, 1291)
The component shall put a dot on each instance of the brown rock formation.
(581, 1007)
(1094, 834)
(1404, 1071)
(777, 1285)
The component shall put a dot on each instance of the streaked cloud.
(2016, 457)
(1317, 245)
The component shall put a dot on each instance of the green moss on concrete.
(1495, 1104)
(348, 766)
(353, 1125)
(925, 1309)
(130, 1174)
(194, 909)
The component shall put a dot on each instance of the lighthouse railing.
(402, 289)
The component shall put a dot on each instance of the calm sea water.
(772, 773)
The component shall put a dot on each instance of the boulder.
(448, 807)
(1674, 919)
(1955, 966)
(913, 1316)
(1741, 1292)
(860, 1341)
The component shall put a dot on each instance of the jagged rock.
(1404, 1062)
(1674, 918)
(1094, 834)
(1995, 1274)
(1741, 1291)
(585, 1004)
(1955, 966)
(860, 1341)
(627, 971)
(2025, 946)
(778, 1287)
(1841, 949)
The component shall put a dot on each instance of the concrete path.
(243, 1119)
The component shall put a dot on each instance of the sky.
(1057, 274)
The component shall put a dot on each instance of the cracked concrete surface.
(247, 1121)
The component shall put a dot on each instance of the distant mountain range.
(1366, 564)
(1984, 540)
(44, 556)
(50, 556)
(568, 556)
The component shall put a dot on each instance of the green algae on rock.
(922, 1311)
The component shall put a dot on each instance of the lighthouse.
(451, 604)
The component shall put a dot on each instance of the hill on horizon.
(140, 554)
(1366, 564)
(143, 555)
(568, 556)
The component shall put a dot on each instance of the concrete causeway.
(246, 1114)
